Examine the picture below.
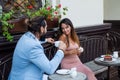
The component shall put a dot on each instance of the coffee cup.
(73, 72)
(57, 43)
(81, 49)
(115, 54)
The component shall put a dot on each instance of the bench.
(95, 67)
(94, 46)
(99, 71)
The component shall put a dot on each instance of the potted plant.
(27, 10)
(51, 14)
(10, 25)
(5, 25)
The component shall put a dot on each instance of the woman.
(29, 60)
(71, 59)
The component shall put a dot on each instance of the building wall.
(84, 12)
(111, 9)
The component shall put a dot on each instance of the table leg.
(119, 71)
(108, 73)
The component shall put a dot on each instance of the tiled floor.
(113, 75)
(115, 78)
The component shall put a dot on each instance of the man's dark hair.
(35, 24)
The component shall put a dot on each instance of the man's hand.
(50, 40)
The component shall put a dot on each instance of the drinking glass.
(115, 54)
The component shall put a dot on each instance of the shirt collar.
(32, 36)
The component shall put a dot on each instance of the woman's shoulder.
(62, 37)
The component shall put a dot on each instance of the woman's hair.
(35, 24)
(73, 35)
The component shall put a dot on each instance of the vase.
(19, 26)
(51, 24)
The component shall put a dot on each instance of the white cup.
(115, 54)
(73, 72)
(81, 49)
(73, 69)
(57, 43)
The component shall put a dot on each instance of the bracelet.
(62, 50)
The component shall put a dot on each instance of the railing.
(113, 41)
(20, 3)
(94, 46)
(5, 66)
(6, 60)
(50, 50)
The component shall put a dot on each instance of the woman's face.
(66, 29)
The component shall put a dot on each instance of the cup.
(73, 69)
(57, 43)
(115, 54)
(81, 49)
(73, 72)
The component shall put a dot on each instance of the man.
(29, 61)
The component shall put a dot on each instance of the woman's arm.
(72, 51)
(63, 38)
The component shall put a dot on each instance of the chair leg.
(119, 71)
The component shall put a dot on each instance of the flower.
(24, 8)
(29, 6)
(47, 11)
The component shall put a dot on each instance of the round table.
(109, 64)
(80, 76)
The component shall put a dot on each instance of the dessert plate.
(104, 56)
(113, 59)
(63, 71)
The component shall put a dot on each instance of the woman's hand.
(76, 51)
(80, 50)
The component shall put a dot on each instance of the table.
(80, 76)
(109, 64)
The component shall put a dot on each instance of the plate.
(104, 56)
(63, 71)
(113, 59)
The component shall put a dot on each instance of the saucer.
(104, 56)
(113, 59)
(63, 71)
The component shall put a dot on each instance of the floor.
(115, 78)
(113, 74)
